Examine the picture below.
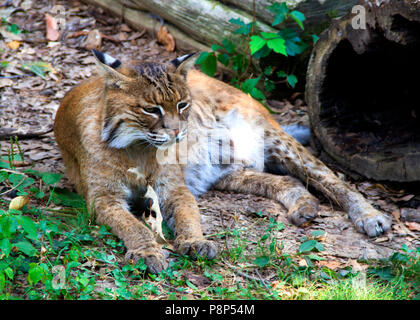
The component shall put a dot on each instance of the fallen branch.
(7, 133)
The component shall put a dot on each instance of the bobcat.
(116, 131)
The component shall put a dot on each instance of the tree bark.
(207, 21)
(201, 23)
(140, 20)
(316, 12)
(362, 91)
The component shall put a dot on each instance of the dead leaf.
(122, 36)
(125, 28)
(6, 82)
(396, 214)
(136, 35)
(413, 226)
(303, 263)
(93, 40)
(52, 28)
(356, 266)
(405, 198)
(382, 239)
(18, 202)
(198, 280)
(165, 38)
(330, 264)
(14, 44)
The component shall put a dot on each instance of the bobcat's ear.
(184, 63)
(108, 66)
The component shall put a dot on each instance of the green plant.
(267, 245)
(286, 42)
(401, 271)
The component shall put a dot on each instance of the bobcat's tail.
(301, 133)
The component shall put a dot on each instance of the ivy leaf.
(25, 247)
(216, 47)
(262, 53)
(223, 58)
(28, 225)
(3, 176)
(307, 246)
(317, 233)
(9, 272)
(2, 281)
(208, 63)
(257, 94)
(261, 261)
(277, 45)
(51, 178)
(280, 11)
(35, 273)
(270, 35)
(292, 80)
(299, 17)
(249, 84)
(319, 247)
(5, 246)
(281, 74)
(18, 179)
(244, 28)
(13, 28)
(229, 46)
(256, 43)
(67, 198)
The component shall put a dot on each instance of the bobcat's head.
(146, 103)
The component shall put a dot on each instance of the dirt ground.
(28, 104)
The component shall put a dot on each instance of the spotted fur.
(182, 133)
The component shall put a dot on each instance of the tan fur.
(105, 175)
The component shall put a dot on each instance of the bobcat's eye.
(182, 106)
(152, 110)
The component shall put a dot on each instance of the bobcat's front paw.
(154, 259)
(196, 247)
(373, 223)
(303, 211)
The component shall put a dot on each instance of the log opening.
(365, 106)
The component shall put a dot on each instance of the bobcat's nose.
(174, 132)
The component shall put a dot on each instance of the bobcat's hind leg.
(301, 205)
(283, 153)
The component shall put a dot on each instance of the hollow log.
(362, 91)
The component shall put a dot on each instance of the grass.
(51, 248)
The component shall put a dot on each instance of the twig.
(242, 274)
(263, 281)
(8, 191)
(17, 76)
(6, 133)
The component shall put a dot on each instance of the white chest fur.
(226, 145)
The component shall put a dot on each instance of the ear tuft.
(108, 67)
(106, 59)
(178, 60)
(184, 63)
